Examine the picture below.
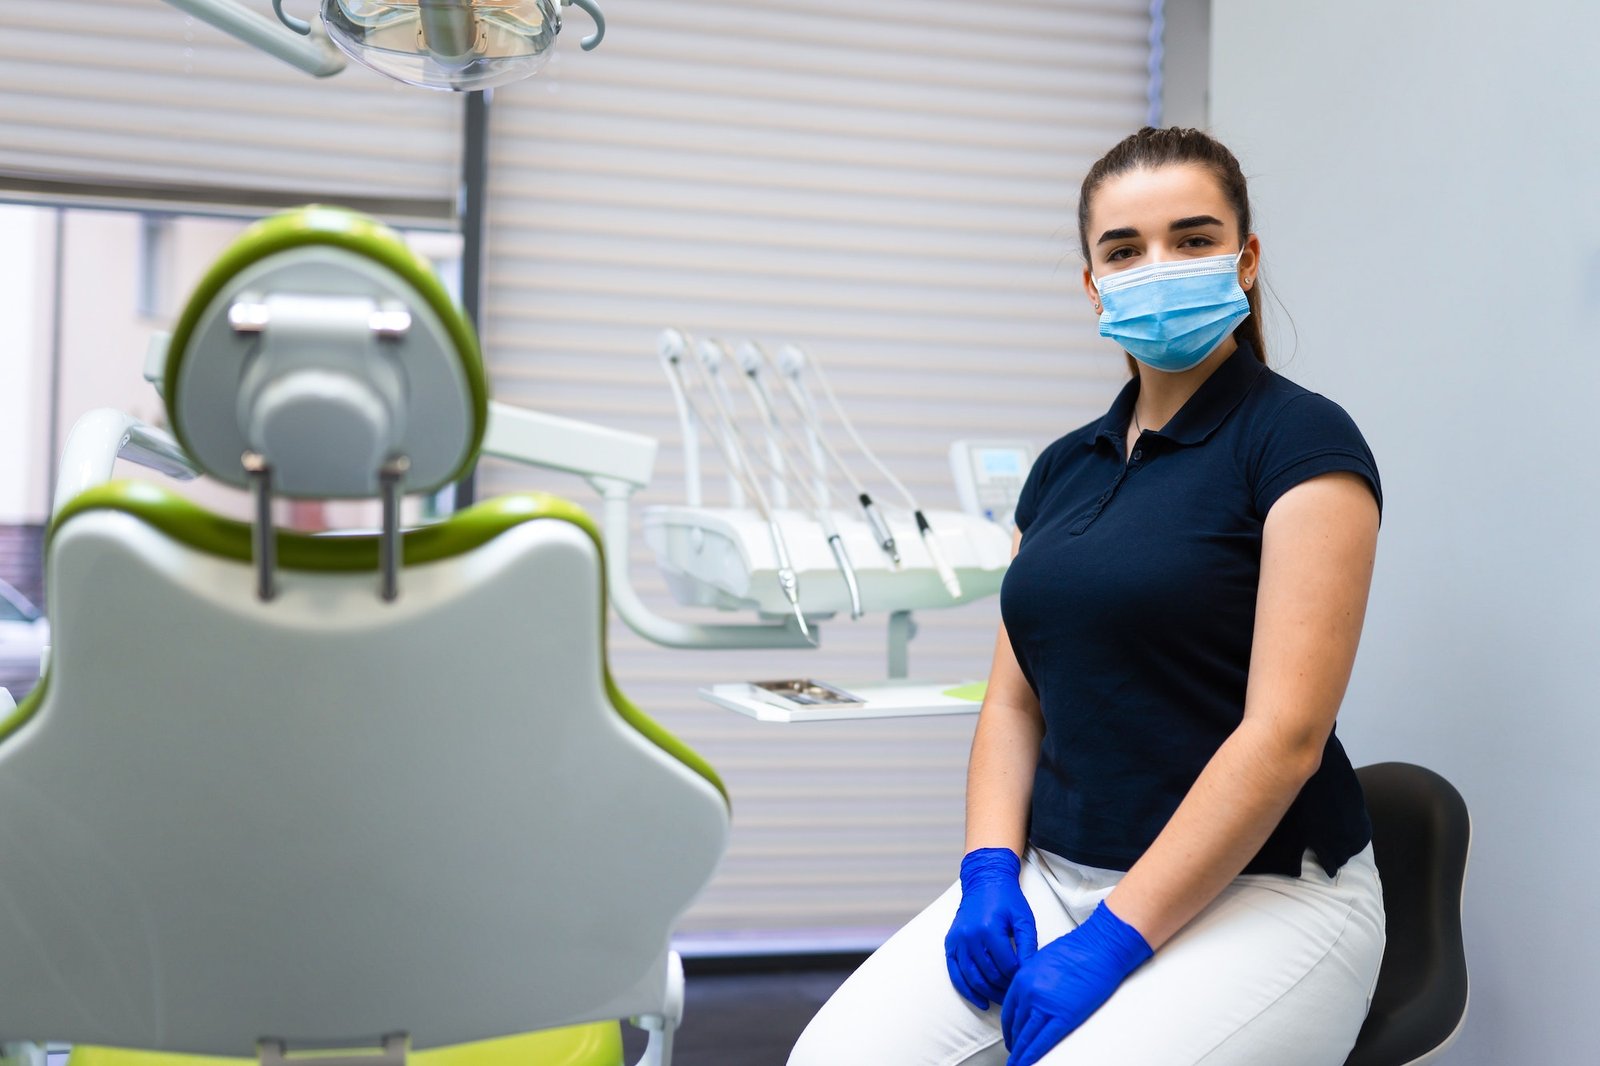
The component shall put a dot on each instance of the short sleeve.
(1027, 508)
(1311, 435)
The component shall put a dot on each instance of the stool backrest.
(1420, 837)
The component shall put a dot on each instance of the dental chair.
(362, 798)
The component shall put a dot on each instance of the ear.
(1090, 291)
(1250, 262)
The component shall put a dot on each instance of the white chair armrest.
(663, 1027)
(21, 1054)
(100, 438)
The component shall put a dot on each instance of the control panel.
(989, 475)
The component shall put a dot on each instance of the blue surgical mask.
(1171, 315)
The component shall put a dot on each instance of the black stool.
(1420, 836)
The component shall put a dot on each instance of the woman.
(1168, 855)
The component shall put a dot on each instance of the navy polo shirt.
(1131, 608)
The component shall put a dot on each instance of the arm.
(1316, 567)
(1005, 752)
(993, 932)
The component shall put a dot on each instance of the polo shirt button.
(1138, 453)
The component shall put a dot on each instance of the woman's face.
(1155, 216)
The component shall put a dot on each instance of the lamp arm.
(312, 53)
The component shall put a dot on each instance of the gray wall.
(1428, 185)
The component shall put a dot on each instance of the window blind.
(892, 187)
(135, 95)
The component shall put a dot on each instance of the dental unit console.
(730, 557)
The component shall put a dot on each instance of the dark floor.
(744, 1019)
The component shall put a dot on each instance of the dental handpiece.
(750, 360)
(672, 341)
(930, 541)
(710, 361)
(789, 374)
(673, 356)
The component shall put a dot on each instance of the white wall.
(1427, 178)
(28, 245)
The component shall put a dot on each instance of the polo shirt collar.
(1203, 412)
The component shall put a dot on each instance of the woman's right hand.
(993, 932)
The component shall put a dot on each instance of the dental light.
(459, 45)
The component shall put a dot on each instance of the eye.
(1118, 254)
(1197, 240)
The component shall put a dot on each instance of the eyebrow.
(1193, 221)
(1122, 233)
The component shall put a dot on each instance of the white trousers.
(1277, 971)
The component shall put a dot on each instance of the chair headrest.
(322, 345)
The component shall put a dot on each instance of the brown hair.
(1151, 148)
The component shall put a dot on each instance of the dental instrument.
(946, 573)
(674, 349)
(750, 361)
(710, 358)
(789, 373)
(689, 429)
(778, 461)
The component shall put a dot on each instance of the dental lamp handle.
(591, 42)
(300, 26)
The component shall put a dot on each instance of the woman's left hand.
(1055, 991)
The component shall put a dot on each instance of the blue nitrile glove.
(993, 916)
(1066, 982)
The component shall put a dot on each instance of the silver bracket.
(391, 1051)
(390, 478)
(390, 322)
(249, 316)
(263, 540)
